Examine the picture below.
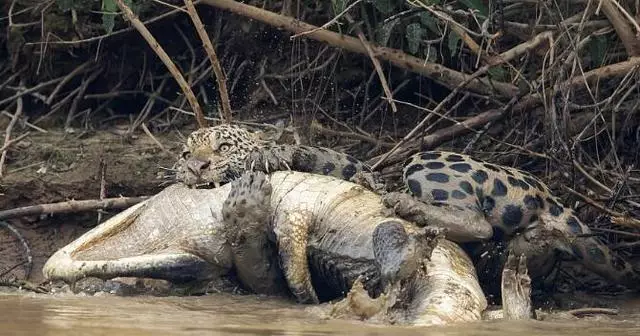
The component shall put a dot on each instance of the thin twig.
(24, 243)
(376, 64)
(7, 134)
(211, 52)
(153, 43)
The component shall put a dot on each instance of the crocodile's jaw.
(165, 237)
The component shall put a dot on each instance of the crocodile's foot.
(399, 254)
(516, 288)
(359, 304)
(462, 224)
(246, 224)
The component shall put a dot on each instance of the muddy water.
(30, 314)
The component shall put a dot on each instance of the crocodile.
(180, 235)
(484, 201)
(382, 261)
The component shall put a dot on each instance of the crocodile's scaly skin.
(508, 201)
(324, 246)
(179, 235)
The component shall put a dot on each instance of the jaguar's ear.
(273, 133)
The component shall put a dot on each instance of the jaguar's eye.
(224, 148)
(186, 155)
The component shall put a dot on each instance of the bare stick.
(217, 69)
(7, 134)
(376, 64)
(456, 130)
(12, 141)
(24, 243)
(72, 206)
(153, 43)
(447, 77)
(624, 31)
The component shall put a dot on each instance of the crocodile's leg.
(245, 216)
(292, 233)
(516, 288)
(461, 224)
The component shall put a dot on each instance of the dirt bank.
(55, 167)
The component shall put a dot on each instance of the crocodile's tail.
(164, 237)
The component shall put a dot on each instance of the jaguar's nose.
(197, 165)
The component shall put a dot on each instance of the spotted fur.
(221, 153)
(511, 201)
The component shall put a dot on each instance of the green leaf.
(338, 6)
(452, 42)
(414, 33)
(477, 5)
(385, 6)
(429, 2)
(598, 50)
(384, 32)
(65, 5)
(498, 73)
(430, 22)
(109, 9)
(430, 53)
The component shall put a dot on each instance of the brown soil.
(56, 167)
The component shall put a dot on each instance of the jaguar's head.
(215, 155)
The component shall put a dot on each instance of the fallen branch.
(153, 43)
(443, 75)
(72, 206)
(444, 134)
(623, 30)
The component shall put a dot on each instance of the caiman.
(179, 235)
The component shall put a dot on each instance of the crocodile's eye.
(224, 148)
(186, 155)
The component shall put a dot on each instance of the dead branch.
(376, 64)
(448, 133)
(7, 134)
(605, 72)
(624, 31)
(72, 206)
(447, 77)
(153, 43)
(217, 69)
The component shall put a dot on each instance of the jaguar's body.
(510, 201)
(475, 200)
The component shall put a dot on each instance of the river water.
(226, 314)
